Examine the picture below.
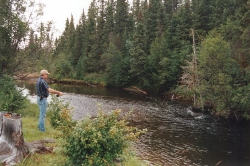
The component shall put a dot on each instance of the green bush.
(11, 98)
(60, 116)
(99, 141)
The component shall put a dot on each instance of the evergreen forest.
(199, 49)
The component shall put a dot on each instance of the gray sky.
(59, 10)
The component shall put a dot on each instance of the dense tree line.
(199, 48)
(150, 44)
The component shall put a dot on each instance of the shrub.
(99, 141)
(60, 116)
(11, 98)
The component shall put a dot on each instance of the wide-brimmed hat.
(44, 72)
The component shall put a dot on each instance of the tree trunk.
(13, 148)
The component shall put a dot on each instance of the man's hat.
(44, 72)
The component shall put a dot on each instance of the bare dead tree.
(190, 77)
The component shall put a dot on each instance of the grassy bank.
(31, 133)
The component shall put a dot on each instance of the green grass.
(30, 110)
(134, 161)
(31, 133)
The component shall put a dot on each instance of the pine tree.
(137, 52)
(159, 56)
(136, 8)
(153, 21)
(121, 26)
(179, 44)
(70, 39)
(116, 70)
(171, 6)
(121, 17)
(80, 46)
(109, 24)
(245, 36)
(100, 36)
(90, 39)
(202, 12)
(77, 48)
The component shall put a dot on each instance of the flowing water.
(175, 134)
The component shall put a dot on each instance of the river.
(175, 134)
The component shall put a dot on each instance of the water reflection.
(176, 135)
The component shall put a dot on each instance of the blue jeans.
(42, 107)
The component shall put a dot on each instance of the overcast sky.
(59, 10)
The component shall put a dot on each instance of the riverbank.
(31, 133)
(95, 80)
(89, 80)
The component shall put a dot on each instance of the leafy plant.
(60, 116)
(219, 74)
(11, 98)
(92, 141)
(100, 141)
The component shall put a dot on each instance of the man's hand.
(60, 94)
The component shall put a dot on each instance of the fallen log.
(136, 90)
(13, 148)
(39, 147)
